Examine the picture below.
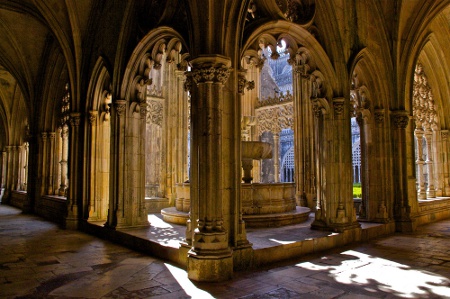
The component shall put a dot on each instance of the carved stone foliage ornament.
(275, 118)
(210, 74)
(154, 112)
(424, 109)
(276, 100)
(243, 83)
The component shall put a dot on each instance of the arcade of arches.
(112, 110)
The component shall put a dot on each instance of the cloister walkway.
(40, 260)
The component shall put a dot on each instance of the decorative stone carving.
(211, 74)
(424, 110)
(75, 119)
(93, 118)
(400, 119)
(120, 105)
(44, 135)
(379, 116)
(338, 105)
(143, 110)
(154, 112)
(273, 119)
(271, 101)
(444, 135)
(317, 107)
(244, 83)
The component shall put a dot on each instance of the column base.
(209, 268)
(243, 257)
(405, 226)
(335, 227)
(71, 223)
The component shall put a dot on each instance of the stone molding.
(93, 117)
(338, 105)
(379, 116)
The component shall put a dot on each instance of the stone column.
(431, 190)
(402, 199)
(421, 192)
(25, 166)
(93, 186)
(63, 162)
(17, 161)
(445, 161)
(116, 202)
(44, 164)
(438, 161)
(8, 173)
(380, 187)
(335, 209)
(51, 155)
(74, 191)
(303, 139)
(182, 128)
(4, 168)
(210, 257)
(276, 158)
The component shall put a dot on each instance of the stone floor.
(40, 260)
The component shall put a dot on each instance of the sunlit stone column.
(9, 172)
(63, 162)
(335, 209)
(421, 192)
(210, 257)
(403, 197)
(276, 158)
(431, 190)
(303, 138)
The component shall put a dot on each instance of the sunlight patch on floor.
(155, 221)
(182, 279)
(376, 273)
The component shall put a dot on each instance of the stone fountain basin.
(256, 150)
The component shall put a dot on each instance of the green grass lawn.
(357, 190)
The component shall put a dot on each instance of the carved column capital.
(444, 135)
(119, 106)
(244, 83)
(51, 135)
(75, 119)
(400, 118)
(93, 117)
(44, 135)
(317, 108)
(379, 116)
(211, 69)
(338, 105)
